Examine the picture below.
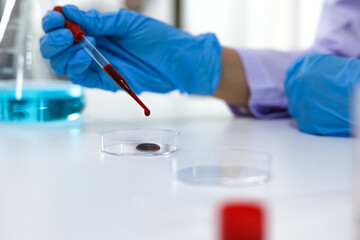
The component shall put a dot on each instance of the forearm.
(233, 87)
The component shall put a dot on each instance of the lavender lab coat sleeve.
(338, 33)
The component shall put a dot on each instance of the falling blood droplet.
(121, 82)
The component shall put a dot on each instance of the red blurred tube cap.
(242, 221)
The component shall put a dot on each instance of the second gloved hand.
(320, 89)
(151, 55)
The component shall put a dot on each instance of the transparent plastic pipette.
(79, 37)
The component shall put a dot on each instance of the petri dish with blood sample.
(139, 142)
(227, 166)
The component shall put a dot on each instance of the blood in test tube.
(121, 82)
(148, 147)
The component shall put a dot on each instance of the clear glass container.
(41, 102)
(139, 142)
(30, 91)
(222, 167)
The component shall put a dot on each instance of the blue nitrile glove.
(320, 93)
(151, 55)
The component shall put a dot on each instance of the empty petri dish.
(139, 142)
(222, 167)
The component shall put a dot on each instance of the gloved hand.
(151, 55)
(320, 93)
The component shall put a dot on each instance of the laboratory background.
(69, 169)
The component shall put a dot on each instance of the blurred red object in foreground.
(242, 221)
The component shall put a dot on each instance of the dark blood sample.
(148, 147)
(121, 82)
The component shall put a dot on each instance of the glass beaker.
(41, 102)
(30, 91)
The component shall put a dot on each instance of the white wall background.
(280, 24)
(159, 9)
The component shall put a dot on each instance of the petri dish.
(222, 167)
(139, 142)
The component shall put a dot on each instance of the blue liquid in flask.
(41, 103)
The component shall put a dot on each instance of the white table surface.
(56, 184)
